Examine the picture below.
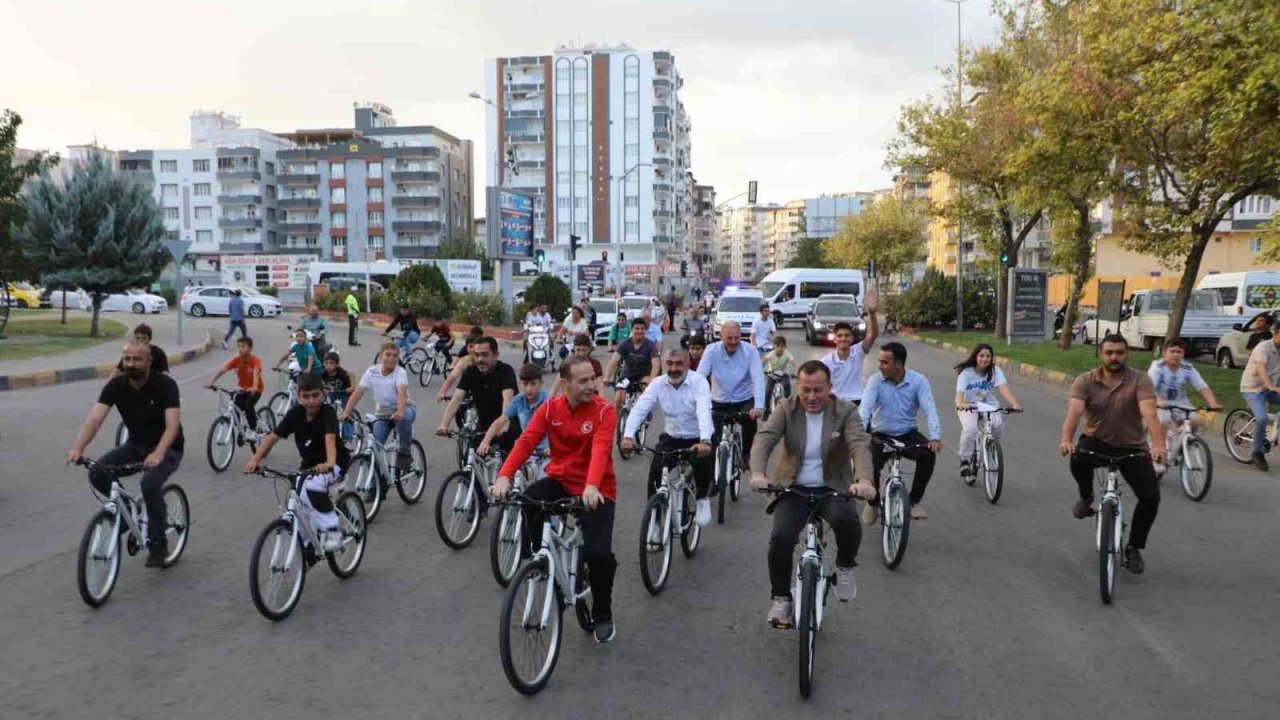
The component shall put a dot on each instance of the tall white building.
(600, 135)
(741, 241)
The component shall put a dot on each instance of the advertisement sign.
(591, 275)
(513, 239)
(1028, 297)
(287, 272)
(1110, 300)
(462, 275)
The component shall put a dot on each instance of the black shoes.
(156, 555)
(605, 631)
(1133, 560)
(1082, 509)
(1260, 462)
(404, 461)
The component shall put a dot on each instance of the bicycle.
(893, 504)
(633, 390)
(463, 497)
(781, 391)
(508, 533)
(437, 362)
(1110, 525)
(1237, 433)
(123, 517)
(670, 511)
(728, 473)
(373, 468)
(284, 400)
(814, 578)
(273, 594)
(231, 429)
(988, 454)
(1189, 452)
(412, 361)
(554, 577)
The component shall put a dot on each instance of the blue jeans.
(407, 342)
(1258, 405)
(404, 428)
(348, 428)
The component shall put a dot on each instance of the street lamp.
(621, 224)
(959, 186)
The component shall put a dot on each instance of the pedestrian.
(353, 317)
(235, 309)
(671, 308)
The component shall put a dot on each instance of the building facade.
(706, 227)
(742, 240)
(824, 215)
(785, 225)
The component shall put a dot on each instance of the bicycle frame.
(812, 557)
(130, 514)
(561, 555)
(1111, 502)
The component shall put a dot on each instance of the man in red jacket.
(581, 427)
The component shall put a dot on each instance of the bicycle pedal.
(131, 546)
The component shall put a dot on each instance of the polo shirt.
(486, 390)
(846, 375)
(309, 435)
(143, 408)
(1111, 414)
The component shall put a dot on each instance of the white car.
(134, 301)
(216, 300)
(633, 306)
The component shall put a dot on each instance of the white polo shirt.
(846, 375)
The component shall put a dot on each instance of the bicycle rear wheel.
(417, 359)
(808, 625)
(99, 559)
(220, 446)
(530, 633)
(275, 578)
(1107, 551)
(690, 530)
(1237, 433)
(428, 370)
(655, 544)
(993, 470)
(458, 510)
(178, 523)
(411, 485)
(362, 479)
(622, 423)
(505, 540)
(279, 405)
(1196, 469)
(896, 525)
(351, 521)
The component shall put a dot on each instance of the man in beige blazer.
(824, 450)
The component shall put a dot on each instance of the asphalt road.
(994, 613)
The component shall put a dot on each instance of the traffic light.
(684, 268)
(604, 256)
(574, 242)
(751, 192)
(1004, 259)
(539, 257)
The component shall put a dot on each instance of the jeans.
(407, 341)
(404, 428)
(597, 542)
(969, 431)
(153, 481)
(789, 517)
(1138, 472)
(231, 330)
(247, 402)
(1258, 402)
(924, 458)
(748, 426)
(701, 465)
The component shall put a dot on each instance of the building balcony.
(290, 179)
(415, 225)
(246, 173)
(233, 248)
(663, 161)
(239, 199)
(662, 187)
(413, 251)
(662, 239)
(299, 250)
(513, 114)
(415, 201)
(662, 135)
(415, 176)
(299, 228)
(661, 56)
(302, 203)
(525, 87)
(522, 61)
(413, 152)
(663, 214)
(532, 164)
(242, 222)
(518, 138)
(142, 176)
(660, 82)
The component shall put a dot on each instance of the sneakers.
(330, 540)
(704, 512)
(966, 470)
(224, 344)
(1260, 462)
(156, 555)
(869, 513)
(605, 631)
(846, 584)
(1082, 509)
(780, 613)
(404, 461)
(1133, 560)
(918, 513)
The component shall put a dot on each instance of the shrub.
(423, 302)
(270, 290)
(931, 302)
(551, 290)
(423, 277)
(169, 295)
(519, 310)
(478, 309)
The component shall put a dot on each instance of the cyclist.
(407, 322)
(845, 362)
(638, 359)
(338, 383)
(893, 399)
(149, 404)
(465, 360)
(824, 448)
(582, 347)
(619, 331)
(248, 370)
(490, 383)
(575, 325)
(159, 360)
(1261, 329)
(389, 385)
(520, 409)
(318, 325)
(303, 352)
(1171, 375)
(1116, 401)
(580, 426)
(1258, 386)
(652, 330)
(314, 426)
(697, 346)
(976, 379)
(762, 331)
(588, 312)
(443, 335)
(685, 399)
(737, 382)
(694, 326)
(777, 360)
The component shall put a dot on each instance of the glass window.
(375, 170)
(375, 219)
(814, 289)
(338, 220)
(337, 171)
(171, 213)
(168, 166)
(168, 190)
(203, 189)
(338, 196)
(271, 168)
(204, 236)
(740, 303)
(1255, 245)
(204, 213)
(375, 194)
(199, 166)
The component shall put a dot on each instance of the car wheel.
(1225, 360)
(197, 310)
(138, 308)
(255, 311)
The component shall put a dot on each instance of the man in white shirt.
(685, 399)
(845, 362)
(763, 330)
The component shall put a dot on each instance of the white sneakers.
(330, 540)
(846, 584)
(704, 512)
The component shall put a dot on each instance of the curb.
(42, 378)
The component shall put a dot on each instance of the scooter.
(538, 340)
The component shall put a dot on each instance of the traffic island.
(23, 381)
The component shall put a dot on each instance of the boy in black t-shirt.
(314, 427)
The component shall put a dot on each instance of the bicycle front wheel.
(99, 561)
(622, 423)
(458, 510)
(277, 571)
(221, 445)
(344, 561)
(808, 625)
(895, 526)
(1237, 433)
(412, 483)
(655, 544)
(279, 405)
(362, 479)
(1197, 469)
(505, 540)
(1107, 551)
(425, 374)
(178, 523)
(530, 631)
(993, 470)
(417, 359)
(690, 530)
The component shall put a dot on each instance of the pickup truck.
(1144, 321)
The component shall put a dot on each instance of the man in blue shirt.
(236, 310)
(520, 409)
(890, 403)
(652, 330)
(737, 382)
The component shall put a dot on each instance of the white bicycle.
(373, 469)
(231, 429)
(508, 533)
(1189, 452)
(669, 512)
(988, 455)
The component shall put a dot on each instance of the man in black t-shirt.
(314, 427)
(149, 404)
(638, 358)
(159, 360)
(489, 382)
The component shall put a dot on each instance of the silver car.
(1233, 348)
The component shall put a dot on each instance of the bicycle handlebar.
(111, 469)
(1113, 458)
(731, 417)
(678, 453)
(811, 498)
(974, 409)
(895, 446)
(267, 472)
(1190, 408)
(569, 505)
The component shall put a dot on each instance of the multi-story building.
(784, 227)
(1036, 251)
(375, 190)
(742, 240)
(706, 227)
(823, 215)
(912, 184)
(600, 136)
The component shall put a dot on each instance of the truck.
(1144, 321)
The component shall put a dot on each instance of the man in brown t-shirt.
(1116, 401)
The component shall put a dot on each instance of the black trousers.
(248, 401)
(748, 426)
(789, 517)
(353, 322)
(231, 330)
(702, 466)
(153, 481)
(924, 458)
(597, 543)
(1138, 472)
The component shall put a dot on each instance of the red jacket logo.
(587, 427)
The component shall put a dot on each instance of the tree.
(13, 212)
(466, 248)
(810, 253)
(424, 289)
(1188, 94)
(101, 232)
(892, 232)
(551, 290)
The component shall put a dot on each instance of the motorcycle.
(538, 342)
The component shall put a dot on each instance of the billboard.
(287, 272)
(513, 239)
(462, 275)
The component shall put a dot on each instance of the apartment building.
(706, 227)
(784, 227)
(599, 135)
(741, 247)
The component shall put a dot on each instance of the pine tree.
(13, 174)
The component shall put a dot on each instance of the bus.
(381, 272)
(791, 292)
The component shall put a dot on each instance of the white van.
(1245, 293)
(791, 292)
(739, 305)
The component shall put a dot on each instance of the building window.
(633, 228)
(199, 166)
(271, 214)
(171, 213)
(169, 191)
(204, 213)
(337, 171)
(340, 243)
(168, 166)
(1255, 245)
(375, 219)
(204, 236)
(374, 170)
(338, 220)
(376, 242)
(271, 168)
(271, 192)
(202, 189)
(338, 196)
(375, 194)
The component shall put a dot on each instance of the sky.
(801, 96)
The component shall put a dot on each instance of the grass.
(35, 333)
(1080, 359)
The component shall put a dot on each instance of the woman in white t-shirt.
(573, 326)
(978, 379)
(389, 384)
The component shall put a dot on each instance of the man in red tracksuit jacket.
(581, 427)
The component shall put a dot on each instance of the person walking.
(353, 318)
(671, 309)
(235, 309)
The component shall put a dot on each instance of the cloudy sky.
(801, 95)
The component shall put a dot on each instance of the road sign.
(1110, 299)
(177, 248)
(591, 275)
(1028, 295)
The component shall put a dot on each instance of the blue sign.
(515, 234)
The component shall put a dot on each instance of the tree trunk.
(97, 305)
(1083, 255)
(1202, 233)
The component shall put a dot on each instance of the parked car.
(826, 311)
(25, 295)
(633, 305)
(606, 315)
(1145, 321)
(138, 302)
(1233, 349)
(216, 300)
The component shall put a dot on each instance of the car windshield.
(740, 303)
(135, 291)
(633, 303)
(249, 291)
(770, 289)
(604, 307)
(24, 286)
(836, 309)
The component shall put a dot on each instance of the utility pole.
(959, 186)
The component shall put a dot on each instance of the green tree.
(13, 212)
(892, 232)
(551, 290)
(101, 232)
(463, 247)
(1189, 96)
(810, 253)
(424, 289)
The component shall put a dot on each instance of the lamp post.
(495, 224)
(959, 186)
(621, 224)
